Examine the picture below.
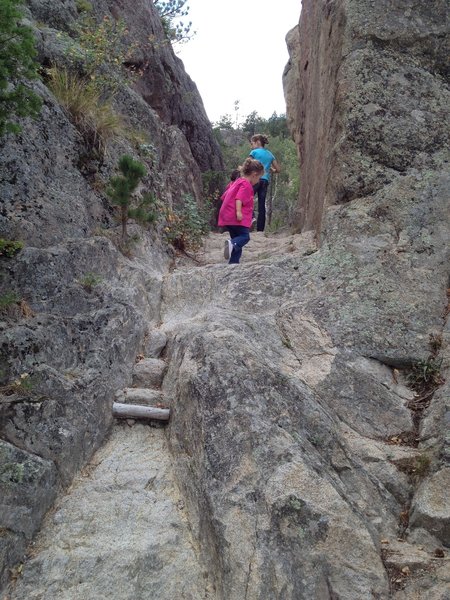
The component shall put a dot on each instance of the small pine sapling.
(146, 210)
(121, 191)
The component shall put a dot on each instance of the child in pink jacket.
(237, 209)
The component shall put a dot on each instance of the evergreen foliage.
(146, 210)
(275, 125)
(171, 11)
(17, 62)
(9, 248)
(122, 187)
(83, 6)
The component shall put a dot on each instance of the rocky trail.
(121, 530)
(129, 526)
(307, 455)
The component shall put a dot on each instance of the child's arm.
(239, 210)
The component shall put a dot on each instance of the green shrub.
(122, 187)
(101, 51)
(83, 6)
(10, 247)
(187, 226)
(146, 209)
(8, 299)
(89, 281)
(17, 62)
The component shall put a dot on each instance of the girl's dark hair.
(235, 174)
(250, 166)
(260, 137)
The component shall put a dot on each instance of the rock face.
(367, 99)
(164, 85)
(46, 194)
(287, 414)
(73, 346)
(80, 309)
(114, 536)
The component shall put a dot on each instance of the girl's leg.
(239, 237)
(262, 192)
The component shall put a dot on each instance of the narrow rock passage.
(120, 531)
(280, 475)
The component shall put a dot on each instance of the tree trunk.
(136, 411)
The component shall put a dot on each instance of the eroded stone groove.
(120, 532)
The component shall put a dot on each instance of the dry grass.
(93, 116)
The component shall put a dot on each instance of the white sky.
(239, 53)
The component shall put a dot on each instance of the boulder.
(149, 372)
(431, 505)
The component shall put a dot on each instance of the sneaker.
(228, 249)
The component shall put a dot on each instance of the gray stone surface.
(385, 109)
(142, 396)
(431, 505)
(149, 372)
(83, 307)
(70, 345)
(290, 434)
(253, 448)
(27, 490)
(154, 343)
(121, 532)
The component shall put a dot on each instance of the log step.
(137, 411)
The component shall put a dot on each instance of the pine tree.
(171, 11)
(122, 187)
(17, 62)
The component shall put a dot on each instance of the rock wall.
(367, 98)
(81, 308)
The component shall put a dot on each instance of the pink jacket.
(242, 190)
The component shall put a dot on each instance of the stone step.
(142, 396)
(149, 372)
(155, 343)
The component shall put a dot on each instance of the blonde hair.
(250, 166)
(260, 137)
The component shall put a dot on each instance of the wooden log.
(137, 411)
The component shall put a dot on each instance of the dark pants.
(239, 236)
(261, 189)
